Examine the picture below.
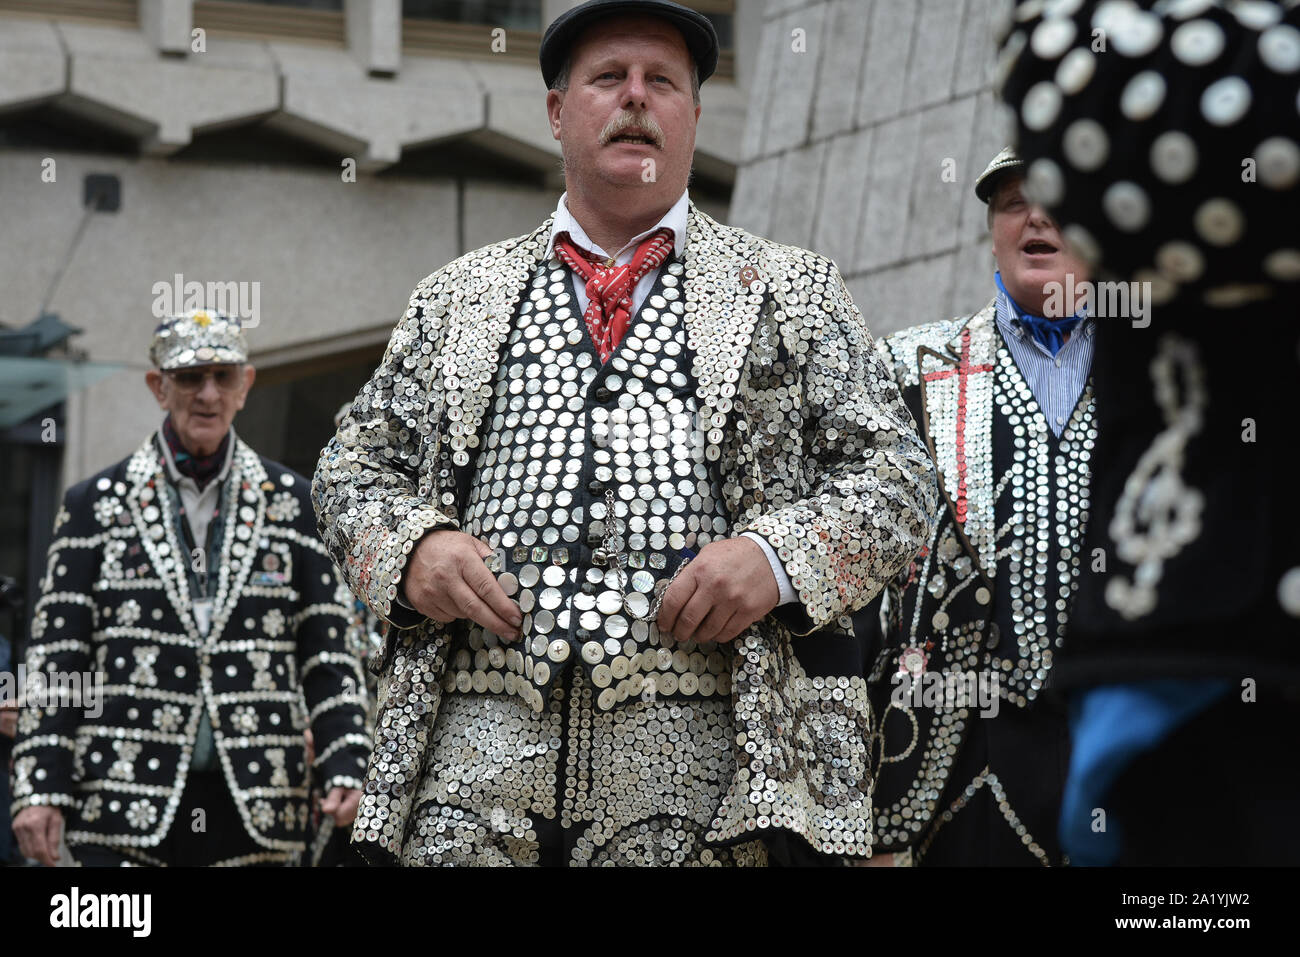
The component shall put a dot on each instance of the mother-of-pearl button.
(1198, 42)
(1288, 592)
(1278, 162)
(1052, 37)
(1086, 145)
(1279, 48)
(1142, 95)
(1283, 264)
(1182, 9)
(1075, 70)
(1044, 183)
(1219, 222)
(1127, 206)
(1061, 8)
(1180, 261)
(1137, 35)
(1082, 243)
(1041, 105)
(1008, 58)
(1162, 290)
(1255, 14)
(1226, 101)
(1173, 157)
(1112, 15)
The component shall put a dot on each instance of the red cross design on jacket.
(963, 372)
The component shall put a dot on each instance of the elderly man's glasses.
(227, 378)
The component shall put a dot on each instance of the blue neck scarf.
(1050, 332)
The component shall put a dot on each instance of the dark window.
(334, 5)
(290, 411)
(516, 14)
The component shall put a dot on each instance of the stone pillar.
(374, 30)
(167, 24)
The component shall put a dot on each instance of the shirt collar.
(674, 219)
(1008, 318)
(174, 473)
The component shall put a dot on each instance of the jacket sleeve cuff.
(778, 570)
(390, 553)
(43, 800)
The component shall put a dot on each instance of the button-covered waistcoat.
(564, 433)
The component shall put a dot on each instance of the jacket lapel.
(719, 326)
(243, 515)
(957, 409)
(152, 505)
(474, 341)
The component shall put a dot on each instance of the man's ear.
(554, 104)
(154, 380)
(249, 375)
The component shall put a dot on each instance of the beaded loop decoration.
(615, 559)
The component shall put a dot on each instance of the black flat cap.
(701, 38)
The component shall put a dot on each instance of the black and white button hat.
(1165, 139)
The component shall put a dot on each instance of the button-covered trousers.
(637, 786)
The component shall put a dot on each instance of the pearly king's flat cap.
(701, 38)
(1006, 161)
(197, 338)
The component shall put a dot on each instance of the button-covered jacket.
(115, 610)
(812, 447)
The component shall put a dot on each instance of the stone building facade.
(864, 137)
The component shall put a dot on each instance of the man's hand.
(447, 580)
(38, 829)
(724, 590)
(341, 804)
(9, 720)
(877, 860)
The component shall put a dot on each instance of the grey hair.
(561, 81)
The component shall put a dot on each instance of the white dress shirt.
(1056, 381)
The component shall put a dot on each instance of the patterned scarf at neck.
(609, 288)
(202, 468)
(1050, 332)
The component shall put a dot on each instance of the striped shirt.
(1055, 381)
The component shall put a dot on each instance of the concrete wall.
(846, 147)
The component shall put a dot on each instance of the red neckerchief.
(609, 288)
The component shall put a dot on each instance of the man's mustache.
(632, 120)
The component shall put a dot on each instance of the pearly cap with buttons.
(1006, 161)
(197, 338)
(1165, 139)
